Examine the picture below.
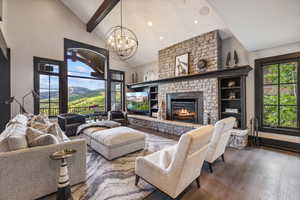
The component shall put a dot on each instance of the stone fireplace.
(207, 88)
(191, 100)
(185, 107)
(208, 47)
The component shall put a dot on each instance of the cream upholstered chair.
(219, 140)
(172, 169)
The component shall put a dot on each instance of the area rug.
(114, 180)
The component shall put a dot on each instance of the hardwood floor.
(250, 174)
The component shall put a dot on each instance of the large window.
(86, 91)
(79, 84)
(47, 85)
(277, 94)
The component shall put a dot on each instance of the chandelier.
(121, 40)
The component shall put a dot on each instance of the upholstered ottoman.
(116, 142)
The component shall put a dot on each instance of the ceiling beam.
(101, 13)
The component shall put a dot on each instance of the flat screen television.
(137, 102)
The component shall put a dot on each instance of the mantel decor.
(182, 64)
(228, 72)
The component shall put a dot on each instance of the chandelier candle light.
(121, 40)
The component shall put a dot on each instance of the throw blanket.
(100, 124)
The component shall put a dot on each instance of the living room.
(132, 99)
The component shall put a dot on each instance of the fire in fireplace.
(184, 110)
(185, 107)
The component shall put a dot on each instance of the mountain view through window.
(86, 93)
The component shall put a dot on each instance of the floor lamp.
(13, 99)
(33, 93)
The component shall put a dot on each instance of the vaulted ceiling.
(261, 24)
(257, 24)
(173, 21)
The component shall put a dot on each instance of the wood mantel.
(236, 71)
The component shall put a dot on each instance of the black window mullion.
(278, 94)
(298, 93)
(49, 94)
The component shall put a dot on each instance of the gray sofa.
(29, 173)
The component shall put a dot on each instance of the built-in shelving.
(153, 101)
(232, 95)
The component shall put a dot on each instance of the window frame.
(36, 80)
(122, 85)
(75, 44)
(63, 75)
(259, 88)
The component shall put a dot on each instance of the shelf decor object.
(121, 40)
(232, 110)
(232, 95)
(64, 189)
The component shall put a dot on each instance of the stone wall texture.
(209, 87)
(160, 126)
(206, 46)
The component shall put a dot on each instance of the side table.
(63, 189)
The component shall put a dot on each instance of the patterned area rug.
(114, 180)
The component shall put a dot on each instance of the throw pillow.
(41, 118)
(43, 140)
(31, 134)
(55, 130)
(39, 126)
(17, 142)
(38, 138)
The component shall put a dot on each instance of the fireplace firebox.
(185, 107)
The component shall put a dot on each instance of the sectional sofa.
(29, 173)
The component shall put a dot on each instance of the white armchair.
(172, 169)
(219, 140)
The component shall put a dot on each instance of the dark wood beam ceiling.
(101, 13)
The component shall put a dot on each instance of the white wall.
(143, 69)
(38, 28)
(231, 44)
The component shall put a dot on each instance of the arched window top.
(85, 63)
(80, 69)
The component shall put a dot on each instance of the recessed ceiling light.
(150, 23)
(196, 21)
(204, 11)
(161, 37)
